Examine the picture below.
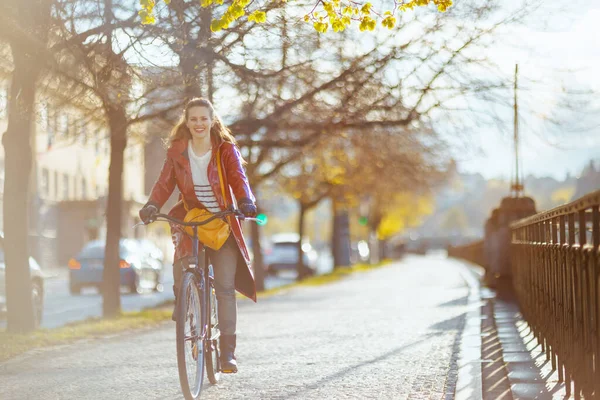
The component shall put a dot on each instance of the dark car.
(137, 270)
(282, 255)
(37, 285)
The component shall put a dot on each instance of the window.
(3, 101)
(70, 126)
(64, 124)
(83, 188)
(98, 139)
(45, 182)
(51, 127)
(43, 116)
(81, 131)
(56, 185)
(65, 188)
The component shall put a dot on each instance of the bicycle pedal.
(229, 371)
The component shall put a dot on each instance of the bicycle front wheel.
(190, 333)
(213, 364)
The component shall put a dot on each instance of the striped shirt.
(204, 191)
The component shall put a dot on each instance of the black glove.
(147, 213)
(247, 208)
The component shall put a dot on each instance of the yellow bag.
(215, 233)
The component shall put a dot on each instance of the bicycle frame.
(202, 272)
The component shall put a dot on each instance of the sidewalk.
(391, 333)
(513, 365)
(416, 329)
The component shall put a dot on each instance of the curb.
(469, 384)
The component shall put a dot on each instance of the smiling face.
(199, 122)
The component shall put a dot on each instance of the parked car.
(155, 256)
(152, 250)
(138, 270)
(282, 254)
(37, 285)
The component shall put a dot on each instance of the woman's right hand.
(147, 213)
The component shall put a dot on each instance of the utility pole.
(516, 186)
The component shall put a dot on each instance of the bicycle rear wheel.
(190, 333)
(213, 364)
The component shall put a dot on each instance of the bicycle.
(196, 309)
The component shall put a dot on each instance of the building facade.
(69, 182)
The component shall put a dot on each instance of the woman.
(191, 165)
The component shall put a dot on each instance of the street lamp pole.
(517, 185)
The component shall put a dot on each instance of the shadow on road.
(353, 368)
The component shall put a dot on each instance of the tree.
(100, 69)
(25, 25)
(455, 221)
(337, 14)
(309, 180)
(282, 95)
(322, 95)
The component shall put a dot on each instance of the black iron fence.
(472, 252)
(555, 261)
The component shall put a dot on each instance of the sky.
(559, 46)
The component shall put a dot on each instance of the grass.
(335, 275)
(13, 344)
(340, 273)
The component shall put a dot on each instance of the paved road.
(392, 333)
(61, 308)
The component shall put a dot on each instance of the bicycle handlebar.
(221, 214)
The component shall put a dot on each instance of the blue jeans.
(224, 262)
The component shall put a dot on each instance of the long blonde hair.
(219, 133)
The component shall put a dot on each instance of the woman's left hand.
(248, 208)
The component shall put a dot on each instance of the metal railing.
(555, 261)
(472, 252)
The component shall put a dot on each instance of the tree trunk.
(341, 237)
(300, 267)
(259, 269)
(383, 249)
(374, 254)
(194, 59)
(334, 233)
(32, 18)
(191, 77)
(17, 149)
(111, 294)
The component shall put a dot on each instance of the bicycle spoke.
(192, 349)
(192, 338)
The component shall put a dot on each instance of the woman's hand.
(147, 213)
(247, 207)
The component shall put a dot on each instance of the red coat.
(176, 170)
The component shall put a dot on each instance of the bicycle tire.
(213, 364)
(190, 295)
